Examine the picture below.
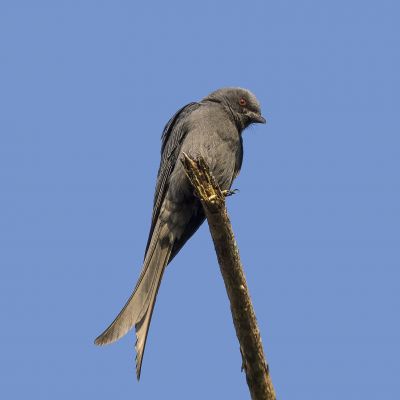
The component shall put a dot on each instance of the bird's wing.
(171, 140)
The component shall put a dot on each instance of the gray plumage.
(212, 129)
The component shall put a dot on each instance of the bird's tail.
(139, 307)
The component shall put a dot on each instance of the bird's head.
(243, 105)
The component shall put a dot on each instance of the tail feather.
(143, 324)
(139, 307)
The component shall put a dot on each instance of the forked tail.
(139, 307)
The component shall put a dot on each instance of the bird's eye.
(242, 101)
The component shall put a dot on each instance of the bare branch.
(244, 319)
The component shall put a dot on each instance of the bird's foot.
(227, 193)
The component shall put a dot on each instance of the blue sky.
(85, 90)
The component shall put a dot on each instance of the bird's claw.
(227, 193)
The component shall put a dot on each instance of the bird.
(212, 129)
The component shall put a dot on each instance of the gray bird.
(211, 128)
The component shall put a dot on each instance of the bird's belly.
(180, 205)
(220, 155)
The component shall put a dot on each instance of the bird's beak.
(257, 118)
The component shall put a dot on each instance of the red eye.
(242, 102)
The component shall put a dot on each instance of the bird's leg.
(229, 192)
(225, 193)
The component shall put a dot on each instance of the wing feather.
(171, 140)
